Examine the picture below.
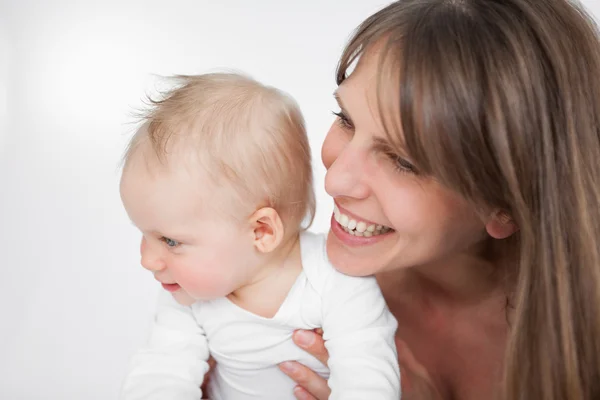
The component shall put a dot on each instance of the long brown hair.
(500, 101)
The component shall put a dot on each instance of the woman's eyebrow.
(338, 99)
(384, 145)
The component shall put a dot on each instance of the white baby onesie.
(358, 331)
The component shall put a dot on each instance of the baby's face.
(196, 252)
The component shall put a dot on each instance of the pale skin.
(452, 317)
(451, 312)
(199, 250)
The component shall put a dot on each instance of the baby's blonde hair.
(247, 136)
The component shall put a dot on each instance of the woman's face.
(386, 216)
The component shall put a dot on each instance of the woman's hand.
(416, 381)
(311, 386)
(206, 382)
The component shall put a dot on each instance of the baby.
(219, 181)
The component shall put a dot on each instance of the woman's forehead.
(364, 93)
(359, 90)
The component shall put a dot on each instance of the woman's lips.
(354, 241)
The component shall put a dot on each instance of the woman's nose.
(151, 257)
(346, 175)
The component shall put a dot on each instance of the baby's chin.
(183, 298)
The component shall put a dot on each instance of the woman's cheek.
(332, 146)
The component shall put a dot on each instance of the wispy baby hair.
(247, 136)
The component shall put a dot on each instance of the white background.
(74, 302)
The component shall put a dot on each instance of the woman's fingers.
(311, 386)
(205, 383)
(301, 394)
(313, 343)
(309, 381)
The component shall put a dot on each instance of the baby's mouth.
(171, 287)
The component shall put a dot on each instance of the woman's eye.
(342, 120)
(402, 165)
(170, 242)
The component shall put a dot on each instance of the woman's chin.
(349, 262)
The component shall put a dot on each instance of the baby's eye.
(170, 242)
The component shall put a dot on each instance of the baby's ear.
(268, 229)
(501, 225)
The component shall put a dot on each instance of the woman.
(471, 128)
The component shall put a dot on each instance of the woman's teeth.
(358, 228)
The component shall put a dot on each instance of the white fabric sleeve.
(173, 363)
(359, 331)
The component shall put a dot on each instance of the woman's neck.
(463, 278)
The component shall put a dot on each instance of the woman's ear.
(267, 228)
(501, 225)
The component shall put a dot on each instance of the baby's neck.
(264, 295)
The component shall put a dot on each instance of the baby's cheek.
(208, 284)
